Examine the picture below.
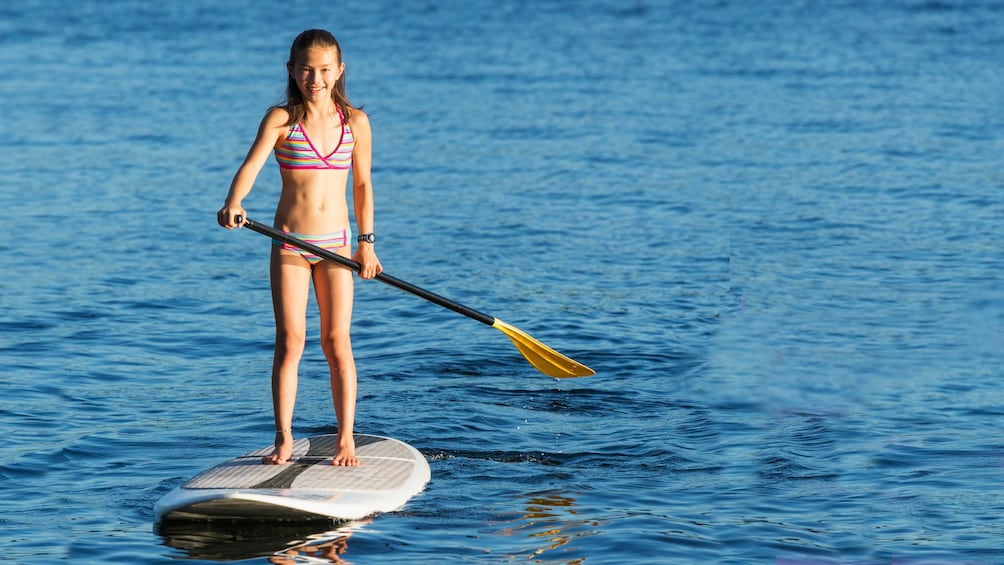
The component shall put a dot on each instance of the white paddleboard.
(307, 487)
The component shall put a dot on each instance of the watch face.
(368, 238)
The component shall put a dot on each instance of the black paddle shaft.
(382, 277)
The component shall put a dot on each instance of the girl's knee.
(337, 347)
(289, 343)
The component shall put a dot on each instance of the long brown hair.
(294, 98)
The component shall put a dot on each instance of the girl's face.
(315, 71)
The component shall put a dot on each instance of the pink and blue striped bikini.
(298, 152)
(330, 242)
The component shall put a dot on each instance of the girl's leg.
(333, 288)
(290, 280)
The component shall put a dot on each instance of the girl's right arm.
(272, 127)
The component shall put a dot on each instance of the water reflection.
(318, 548)
(552, 523)
(283, 543)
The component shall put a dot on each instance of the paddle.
(542, 357)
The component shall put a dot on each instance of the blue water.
(774, 228)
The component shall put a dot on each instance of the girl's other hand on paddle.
(369, 264)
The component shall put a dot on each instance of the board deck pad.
(308, 486)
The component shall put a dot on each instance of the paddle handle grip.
(382, 277)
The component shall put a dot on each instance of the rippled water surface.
(773, 228)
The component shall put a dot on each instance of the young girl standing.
(317, 137)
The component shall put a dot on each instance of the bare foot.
(283, 449)
(346, 456)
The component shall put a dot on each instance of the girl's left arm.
(362, 192)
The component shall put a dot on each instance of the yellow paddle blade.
(545, 359)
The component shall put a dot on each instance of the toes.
(275, 458)
(345, 461)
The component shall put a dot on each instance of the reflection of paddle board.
(308, 487)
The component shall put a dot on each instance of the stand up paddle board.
(307, 487)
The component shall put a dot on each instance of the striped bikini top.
(298, 152)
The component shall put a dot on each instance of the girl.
(317, 137)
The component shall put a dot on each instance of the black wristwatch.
(366, 238)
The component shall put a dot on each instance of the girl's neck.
(318, 111)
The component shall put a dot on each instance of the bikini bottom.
(330, 242)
